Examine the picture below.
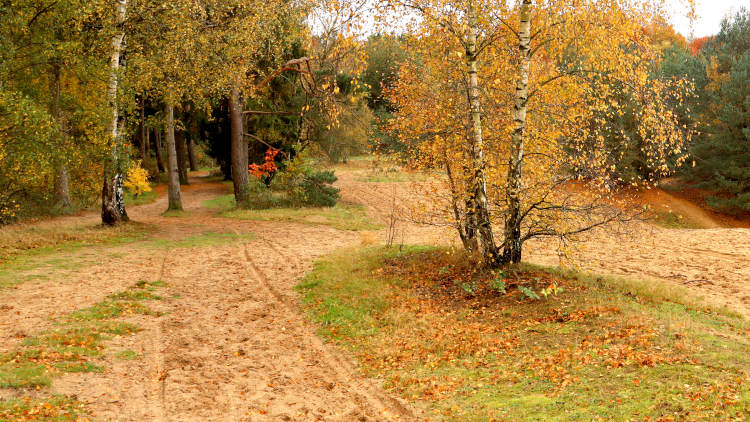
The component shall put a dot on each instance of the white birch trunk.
(479, 204)
(113, 205)
(512, 236)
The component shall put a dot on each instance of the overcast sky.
(709, 13)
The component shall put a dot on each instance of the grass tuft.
(127, 355)
(56, 408)
(142, 199)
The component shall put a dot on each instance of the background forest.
(56, 106)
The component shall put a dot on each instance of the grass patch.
(142, 199)
(36, 253)
(222, 203)
(175, 214)
(26, 241)
(23, 375)
(76, 342)
(471, 345)
(393, 177)
(342, 216)
(202, 240)
(670, 220)
(56, 408)
(127, 355)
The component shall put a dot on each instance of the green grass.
(202, 240)
(127, 355)
(175, 214)
(30, 241)
(142, 199)
(670, 220)
(23, 375)
(222, 203)
(599, 349)
(341, 217)
(56, 408)
(393, 177)
(29, 253)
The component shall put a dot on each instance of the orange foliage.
(268, 167)
(697, 44)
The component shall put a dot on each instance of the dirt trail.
(232, 345)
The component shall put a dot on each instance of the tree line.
(89, 88)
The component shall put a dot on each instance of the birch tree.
(113, 204)
(541, 70)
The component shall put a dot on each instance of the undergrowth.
(471, 344)
(142, 199)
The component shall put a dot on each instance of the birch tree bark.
(113, 204)
(240, 175)
(512, 235)
(478, 200)
(174, 197)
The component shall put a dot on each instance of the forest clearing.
(227, 339)
(374, 210)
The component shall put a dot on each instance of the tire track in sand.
(157, 387)
(381, 407)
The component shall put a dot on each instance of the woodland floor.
(228, 341)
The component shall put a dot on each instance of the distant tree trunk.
(142, 136)
(191, 154)
(157, 150)
(181, 156)
(113, 202)
(478, 182)
(240, 175)
(174, 197)
(62, 191)
(512, 236)
(191, 133)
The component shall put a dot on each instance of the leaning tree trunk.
(512, 242)
(62, 190)
(240, 175)
(157, 150)
(182, 163)
(478, 193)
(174, 197)
(113, 202)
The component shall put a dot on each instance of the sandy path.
(714, 262)
(232, 345)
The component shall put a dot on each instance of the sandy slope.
(713, 262)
